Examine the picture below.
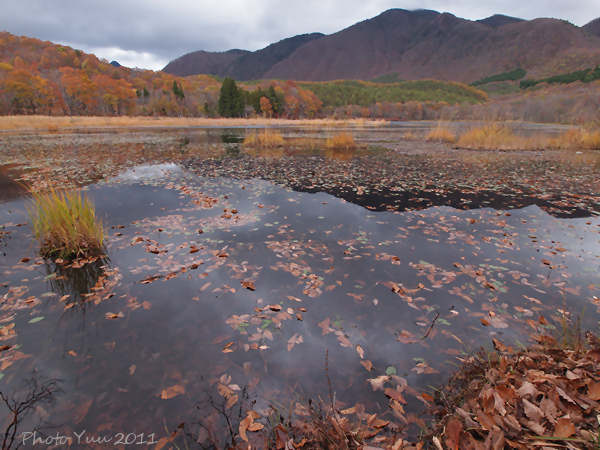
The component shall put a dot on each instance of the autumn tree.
(266, 107)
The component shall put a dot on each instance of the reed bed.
(58, 123)
(341, 141)
(264, 139)
(441, 134)
(500, 137)
(66, 225)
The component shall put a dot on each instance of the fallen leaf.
(248, 285)
(594, 391)
(564, 428)
(244, 424)
(533, 412)
(360, 352)
(367, 364)
(172, 391)
(452, 433)
(295, 339)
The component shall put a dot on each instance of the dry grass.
(441, 134)
(500, 137)
(56, 123)
(492, 136)
(341, 141)
(578, 139)
(264, 139)
(66, 225)
(410, 136)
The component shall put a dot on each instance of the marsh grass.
(265, 139)
(441, 134)
(55, 124)
(580, 138)
(497, 136)
(492, 136)
(66, 225)
(341, 141)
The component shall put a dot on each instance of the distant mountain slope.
(242, 65)
(210, 63)
(498, 20)
(593, 27)
(426, 44)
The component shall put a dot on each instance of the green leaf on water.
(443, 322)
(266, 323)
(36, 319)
(52, 276)
(1, 375)
(391, 370)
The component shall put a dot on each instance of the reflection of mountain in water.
(416, 200)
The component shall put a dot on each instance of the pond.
(237, 280)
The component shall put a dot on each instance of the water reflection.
(173, 321)
(78, 281)
(340, 154)
(9, 188)
(231, 137)
(267, 153)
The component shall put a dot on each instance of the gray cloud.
(148, 33)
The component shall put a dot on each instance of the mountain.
(424, 44)
(497, 20)
(593, 27)
(210, 63)
(241, 65)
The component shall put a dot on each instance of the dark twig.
(426, 335)
(18, 409)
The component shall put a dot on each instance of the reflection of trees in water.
(17, 405)
(340, 154)
(76, 281)
(231, 138)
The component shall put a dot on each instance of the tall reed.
(66, 225)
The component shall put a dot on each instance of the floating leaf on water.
(391, 370)
(36, 319)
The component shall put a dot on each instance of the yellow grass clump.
(578, 139)
(341, 141)
(490, 137)
(441, 134)
(66, 225)
(266, 139)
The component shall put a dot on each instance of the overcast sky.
(149, 33)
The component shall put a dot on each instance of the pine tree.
(231, 99)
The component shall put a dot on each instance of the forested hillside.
(38, 77)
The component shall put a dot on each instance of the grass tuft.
(441, 134)
(66, 225)
(341, 141)
(578, 139)
(266, 139)
(493, 136)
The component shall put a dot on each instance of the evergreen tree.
(231, 99)
(276, 100)
(178, 90)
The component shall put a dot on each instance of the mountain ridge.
(422, 44)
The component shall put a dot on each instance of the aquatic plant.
(66, 225)
(441, 134)
(341, 141)
(266, 139)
